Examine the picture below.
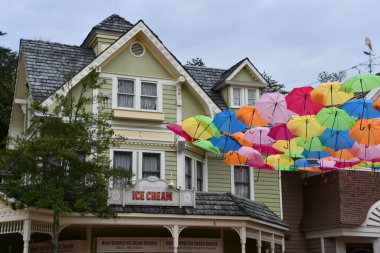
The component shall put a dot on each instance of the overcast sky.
(292, 41)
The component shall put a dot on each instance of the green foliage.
(273, 86)
(196, 62)
(8, 65)
(325, 76)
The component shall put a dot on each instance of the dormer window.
(251, 97)
(243, 96)
(237, 96)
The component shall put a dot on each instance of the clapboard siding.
(266, 189)
(219, 176)
(169, 103)
(171, 167)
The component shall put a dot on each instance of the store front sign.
(63, 247)
(153, 245)
(151, 191)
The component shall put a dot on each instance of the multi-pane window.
(151, 165)
(122, 164)
(242, 185)
(188, 173)
(148, 96)
(236, 96)
(251, 97)
(199, 176)
(126, 93)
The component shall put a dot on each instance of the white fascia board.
(247, 63)
(139, 27)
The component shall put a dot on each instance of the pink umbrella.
(281, 132)
(327, 164)
(366, 152)
(258, 135)
(251, 154)
(266, 149)
(259, 165)
(177, 129)
(272, 107)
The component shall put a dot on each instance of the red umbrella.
(177, 129)
(266, 149)
(281, 132)
(272, 107)
(299, 101)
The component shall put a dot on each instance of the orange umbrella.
(376, 104)
(250, 116)
(239, 137)
(232, 158)
(310, 169)
(366, 131)
(343, 154)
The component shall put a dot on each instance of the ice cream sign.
(151, 191)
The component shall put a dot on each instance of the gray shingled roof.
(226, 74)
(206, 78)
(215, 204)
(47, 63)
(114, 23)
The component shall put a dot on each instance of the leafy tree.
(63, 166)
(196, 62)
(325, 76)
(8, 65)
(273, 86)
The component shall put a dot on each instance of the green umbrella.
(294, 154)
(208, 122)
(207, 145)
(335, 119)
(311, 144)
(360, 83)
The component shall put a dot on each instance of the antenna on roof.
(367, 42)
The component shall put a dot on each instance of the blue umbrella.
(225, 143)
(314, 154)
(360, 108)
(226, 121)
(336, 140)
(304, 163)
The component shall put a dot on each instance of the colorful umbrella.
(335, 119)
(250, 116)
(200, 127)
(311, 144)
(280, 132)
(299, 101)
(336, 139)
(306, 165)
(366, 131)
(259, 165)
(251, 154)
(360, 108)
(366, 152)
(287, 146)
(258, 135)
(329, 94)
(315, 154)
(306, 126)
(360, 83)
(376, 104)
(227, 122)
(225, 143)
(233, 157)
(266, 149)
(325, 164)
(177, 129)
(239, 137)
(279, 162)
(206, 145)
(272, 107)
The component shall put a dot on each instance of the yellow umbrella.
(200, 127)
(279, 162)
(287, 146)
(329, 94)
(306, 126)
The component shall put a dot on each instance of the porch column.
(258, 243)
(175, 230)
(272, 245)
(26, 234)
(283, 244)
(243, 237)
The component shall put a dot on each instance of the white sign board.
(151, 191)
(194, 245)
(63, 247)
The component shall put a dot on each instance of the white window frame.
(194, 173)
(162, 162)
(251, 181)
(134, 166)
(137, 96)
(243, 95)
(233, 105)
(247, 97)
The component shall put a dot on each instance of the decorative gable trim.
(139, 27)
(373, 216)
(247, 63)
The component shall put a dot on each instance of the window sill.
(140, 115)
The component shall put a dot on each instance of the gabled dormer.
(240, 85)
(106, 32)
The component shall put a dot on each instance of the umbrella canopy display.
(361, 83)
(250, 116)
(251, 154)
(336, 139)
(279, 162)
(272, 107)
(227, 122)
(335, 119)
(233, 157)
(329, 94)
(360, 108)
(258, 135)
(366, 131)
(206, 145)
(366, 152)
(200, 127)
(225, 143)
(177, 129)
(306, 126)
(299, 101)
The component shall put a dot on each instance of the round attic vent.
(137, 49)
